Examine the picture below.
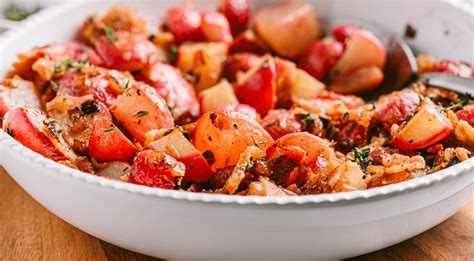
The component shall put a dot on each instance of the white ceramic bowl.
(172, 224)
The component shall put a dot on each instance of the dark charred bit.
(151, 37)
(186, 135)
(89, 107)
(219, 179)
(209, 156)
(410, 31)
(213, 118)
(280, 173)
(137, 72)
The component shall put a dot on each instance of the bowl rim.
(7, 142)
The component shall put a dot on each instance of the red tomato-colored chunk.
(156, 169)
(128, 52)
(140, 109)
(108, 143)
(257, 87)
(321, 56)
(237, 12)
(184, 22)
(466, 114)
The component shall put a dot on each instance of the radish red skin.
(215, 27)
(466, 114)
(397, 108)
(184, 22)
(226, 134)
(243, 109)
(321, 56)
(344, 32)
(238, 14)
(173, 88)
(281, 122)
(152, 169)
(128, 53)
(259, 88)
(240, 62)
(140, 110)
(108, 143)
(312, 145)
(26, 126)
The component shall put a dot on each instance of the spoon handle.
(450, 82)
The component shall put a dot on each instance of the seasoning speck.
(410, 31)
(141, 113)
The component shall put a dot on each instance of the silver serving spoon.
(401, 66)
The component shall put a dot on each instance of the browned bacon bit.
(238, 174)
(265, 187)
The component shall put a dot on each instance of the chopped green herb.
(307, 118)
(127, 86)
(257, 143)
(464, 99)
(248, 166)
(141, 113)
(69, 63)
(363, 158)
(50, 124)
(114, 80)
(79, 65)
(109, 129)
(264, 65)
(280, 159)
(50, 121)
(345, 115)
(10, 132)
(57, 69)
(454, 160)
(54, 85)
(407, 116)
(455, 106)
(109, 33)
(173, 54)
(16, 13)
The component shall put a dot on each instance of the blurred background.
(12, 12)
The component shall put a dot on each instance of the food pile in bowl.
(206, 101)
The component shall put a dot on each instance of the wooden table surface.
(30, 232)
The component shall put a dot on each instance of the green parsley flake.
(363, 158)
(141, 113)
(109, 129)
(109, 33)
